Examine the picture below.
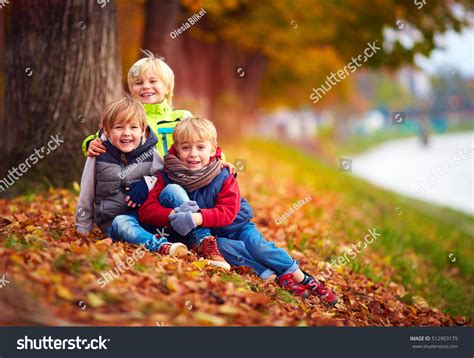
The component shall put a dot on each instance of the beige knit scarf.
(190, 179)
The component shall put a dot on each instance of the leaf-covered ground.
(52, 274)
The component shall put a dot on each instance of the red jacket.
(226, 207)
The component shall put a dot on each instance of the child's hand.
(189, 205)
(96, 148)
(229, 166)
(137, 193)
(182, 223)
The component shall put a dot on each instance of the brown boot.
(209, 250)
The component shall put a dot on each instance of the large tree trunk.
(62, 68)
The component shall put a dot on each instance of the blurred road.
(441, 173)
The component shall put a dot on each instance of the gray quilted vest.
(116, 171)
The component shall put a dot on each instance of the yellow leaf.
(78, 249)
(55, 278)
(17, 259)
(193, 274)
(75, 186)
(328, 314)
(228, 310)
(200, 264)
(64, 293)
(420, 302)
(206, 318)
(172, 283)
(30, 228)
(105, 242)
(38, 232)
(95, 300)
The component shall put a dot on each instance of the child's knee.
(125, 228)
(118, 221)
(258, 246)
(173, 195)
(230, 247)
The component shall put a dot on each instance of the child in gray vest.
(109, 178)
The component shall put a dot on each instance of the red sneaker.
(209, 250)
(288, 283)
(318, 289)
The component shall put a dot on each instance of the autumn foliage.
(54, 274)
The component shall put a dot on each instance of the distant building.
(288, 124)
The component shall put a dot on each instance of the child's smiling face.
(125, 136)
(148, 89)
(195, 154)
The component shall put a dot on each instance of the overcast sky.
(458, 53)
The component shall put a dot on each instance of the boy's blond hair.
(193, 129)
(125, 110)
(155, 66)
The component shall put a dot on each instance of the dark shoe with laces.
(208, 249)
(318, 289)
(289, 284)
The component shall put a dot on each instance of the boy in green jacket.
(151, 81)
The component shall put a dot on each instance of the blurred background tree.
(240, 57)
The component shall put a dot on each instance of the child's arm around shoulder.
(85, 204)
(227, 205)
(93, 151)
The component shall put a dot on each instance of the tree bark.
(62, 68)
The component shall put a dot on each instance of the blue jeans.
(172, 196)
(127, 228)
(247, 247)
